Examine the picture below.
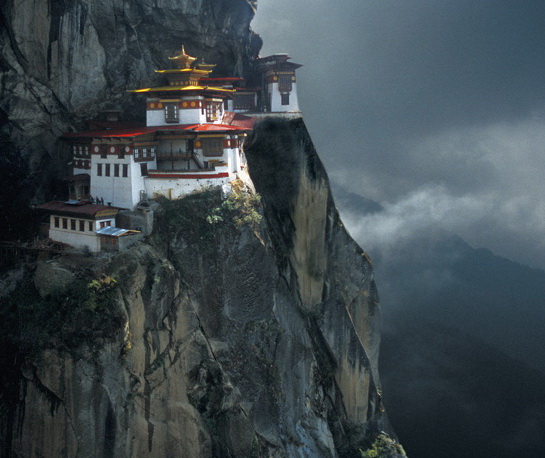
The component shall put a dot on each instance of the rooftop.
(139, 130)
(78, 209)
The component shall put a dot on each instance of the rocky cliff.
(237, 329)
(225, 336)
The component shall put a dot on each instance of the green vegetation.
(84, 313)
(196, 219)
(383, 446)
(241, 207)
(184, 220)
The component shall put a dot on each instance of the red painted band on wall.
(189, 176)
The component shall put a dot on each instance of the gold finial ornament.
(183, 60)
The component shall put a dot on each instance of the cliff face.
(65, 61)
(234, 339)
(218, 336)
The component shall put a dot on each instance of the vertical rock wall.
(239, 340)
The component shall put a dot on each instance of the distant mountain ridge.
(462, 359)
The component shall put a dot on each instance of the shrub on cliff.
(383, 446)
(84, 312)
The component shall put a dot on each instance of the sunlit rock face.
(235, 341)
(65, 61)
(255, 339)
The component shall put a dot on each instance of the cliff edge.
(226, 334)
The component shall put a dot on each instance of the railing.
(213, 171)
(181, 156)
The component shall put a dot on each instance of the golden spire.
(183, 60)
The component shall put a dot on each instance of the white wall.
(155, 118)
(192, 116)
(121, 191)
(276, 100)
(75, 238)
(176, 188)
(138, 181)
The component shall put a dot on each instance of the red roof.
(135, 132)
(243, 122)
(127, 132)
(76, 208)
(213, 128)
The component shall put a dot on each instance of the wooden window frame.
(212, 147)
(172, 113)
(285, 83)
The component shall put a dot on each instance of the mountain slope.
(462, 359)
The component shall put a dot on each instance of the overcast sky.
(435, 109)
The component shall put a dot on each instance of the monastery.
(192, 139)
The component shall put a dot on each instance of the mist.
(436, 110)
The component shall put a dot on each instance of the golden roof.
(183, 60)
(181, 89)
(184, 70)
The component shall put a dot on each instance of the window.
(107, 170)
(171, 112)
(103, 152)
(285, 99)
(57, 221)
(99, 170)
(121, 153)
(125, 170)
(73, 224)
(284, 83)
(65, 223)
(90, 226)
(104, 224)
(81, 225)
(212, 147)
(116, 170)
(244, 101)
(144, 170)
(213, 111)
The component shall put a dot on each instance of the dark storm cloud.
(383, 71)
(420, 104)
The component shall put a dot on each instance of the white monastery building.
(192, 139)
